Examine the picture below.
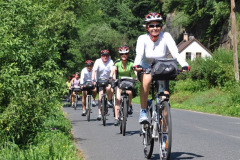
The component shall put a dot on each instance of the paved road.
(196, 136)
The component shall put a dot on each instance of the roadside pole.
(234, 33)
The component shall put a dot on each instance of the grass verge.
(54, 141)
(212, 101)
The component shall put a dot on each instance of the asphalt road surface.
(196, 136)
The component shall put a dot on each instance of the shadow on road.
(130, 133)
(179, 156)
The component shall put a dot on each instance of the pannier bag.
(102, 82)
(126, 84)
(164, 69)
(114, 83)
(89, 85)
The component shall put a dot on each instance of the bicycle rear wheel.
(124, 121)
(89, 107)
(103, 109)
(165, 134)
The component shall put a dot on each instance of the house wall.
(194, 47)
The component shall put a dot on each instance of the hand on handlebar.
(137, 68)
(185, 69)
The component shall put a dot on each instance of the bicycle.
(88, 86)
(125, 83)
(75, 89)
(114, 84)
(159, 128)
(104, 109)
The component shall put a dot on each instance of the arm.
(139, 50)
(172, 47)
(82, 77)
(70, 84)
(113, 72)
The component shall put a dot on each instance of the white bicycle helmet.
(123, 49)
(153, 16)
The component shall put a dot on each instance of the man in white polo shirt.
(86, 75)
(102, 69)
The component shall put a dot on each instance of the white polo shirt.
(86, 75)
(103, 70)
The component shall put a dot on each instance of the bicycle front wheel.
(124, 121)
(89, 107)
(148, 141)
(75, 102)
(103, 109)
(114, 103)
(165, 134)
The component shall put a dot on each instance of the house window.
(188, 55)
(198, 55)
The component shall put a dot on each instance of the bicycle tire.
(165, 152)
(75, 102)
(88, 107)
(120, 120)
(103, 109)
(114, 103)
(148, 142)
(124, 120)
(70, 101)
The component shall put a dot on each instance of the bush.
(215, 72)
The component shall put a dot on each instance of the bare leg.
(117, 107)
(146, 80)
(109, 92)
(84, 96)
(130, 97)
(99, 101)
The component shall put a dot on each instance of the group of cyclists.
(150, 46)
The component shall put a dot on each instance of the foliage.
(52, 142)
(30, 82)
(204, 19)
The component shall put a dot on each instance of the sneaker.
(164, 144)
(72, 104)
(130, 110)
(93, 103)
(84, 113)
(99, 117)
(143, 116)
(110, 105)
(116, 121)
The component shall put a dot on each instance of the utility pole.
(234, 33)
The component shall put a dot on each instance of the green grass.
(212, 101)
(54, 141)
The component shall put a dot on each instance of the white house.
(190, 48)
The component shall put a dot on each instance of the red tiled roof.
(184, 44)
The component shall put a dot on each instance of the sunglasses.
(104, 55)
(88, 65)
(154, 25)
(124, 54)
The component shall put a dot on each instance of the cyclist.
(86, 75)
(122, 67)
(102, 69)
(69, 90)
(75, 82)
(151, 46)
